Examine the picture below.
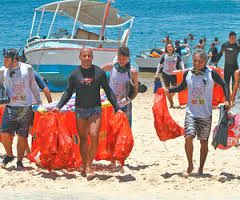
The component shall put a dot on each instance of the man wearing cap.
(19, 81)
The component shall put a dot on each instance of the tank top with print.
(200, 92)
(118, 82)
(18, 86)
(170, 63)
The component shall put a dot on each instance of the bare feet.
(172, 106)
(112, 165)
(200, 172)
(90, 174)
(115, 166)
(188, 172)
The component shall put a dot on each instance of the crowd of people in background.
(229, 49)
(213, 52)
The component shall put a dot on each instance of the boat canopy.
(91, 12)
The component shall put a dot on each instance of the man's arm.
(160, 65)
(33, 85)
(43, 86)
(195, 46)
(67, 94)
(236, 85)
(134, 74)
(47, 94)
(220, 53)
(107, 67)
(1, 75)
(181, 86)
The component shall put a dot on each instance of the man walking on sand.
(200, 82)
(86, 81)
(19, 81)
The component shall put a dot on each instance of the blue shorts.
(85, 113)
(16, 119)
(128, 111)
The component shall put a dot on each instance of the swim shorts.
(16, 119)
(197, 126)
(85, 113)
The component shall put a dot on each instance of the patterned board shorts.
(85, 113)
(197, 126)
(16, 119)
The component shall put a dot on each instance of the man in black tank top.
(230, 50)
(86, 81)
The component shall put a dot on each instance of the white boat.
(147, 61)
(55, 55)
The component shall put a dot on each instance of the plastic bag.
(165, 126)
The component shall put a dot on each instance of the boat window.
(84, 34)
(61, 33)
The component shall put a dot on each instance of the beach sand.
(152, 171)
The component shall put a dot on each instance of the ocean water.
(153, 20)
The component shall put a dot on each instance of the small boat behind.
(96, 25)
(150, 58)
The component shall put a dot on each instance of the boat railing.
(33, 41)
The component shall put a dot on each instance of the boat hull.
(145, 62)
(152, 63)
(56, 64)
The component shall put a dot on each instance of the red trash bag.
(64, 158)
(36, 130)
(102, 152)
(183, 95)
(112, 133)
(124, 141)
(165, 126)
(48, 140)
(70, 122)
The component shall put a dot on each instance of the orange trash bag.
(120, 137)
(183, 95)
(165, 126)
(102, 152)
(70, 123)
(48, 140)
(64, 158)
(124, 140)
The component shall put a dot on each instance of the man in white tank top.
(120, 73)
(19, 81)
(200, 82)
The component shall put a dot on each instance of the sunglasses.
(9, 53)
(197, 72)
